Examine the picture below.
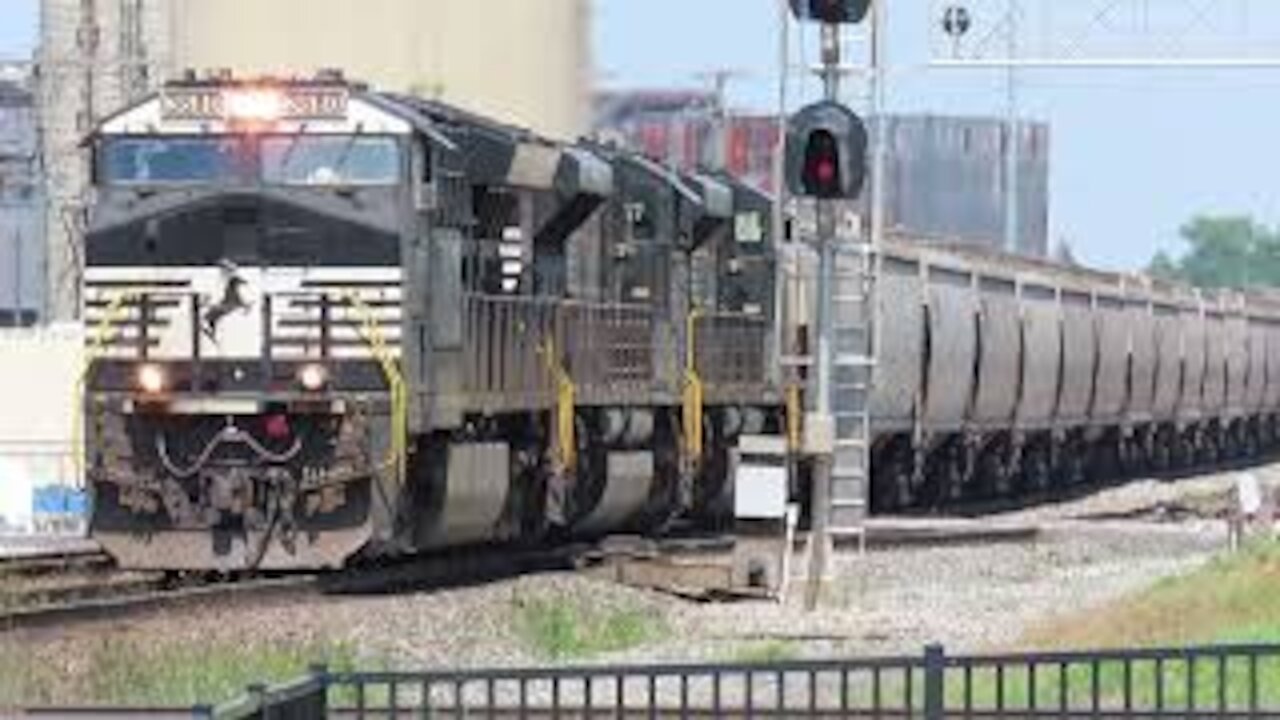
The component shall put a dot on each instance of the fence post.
(935, 672)
(320, 698)
(258, 701)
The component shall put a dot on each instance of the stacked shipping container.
(945, 176)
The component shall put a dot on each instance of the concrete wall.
(95, 56)
(39, 369)
(525, 61)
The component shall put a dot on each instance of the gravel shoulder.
(971, 598)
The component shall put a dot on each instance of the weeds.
(1232, 598)
(562, 630)
(132, 673)
(765, 651)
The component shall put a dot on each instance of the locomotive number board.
(271, 103)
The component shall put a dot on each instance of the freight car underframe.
(950, 469)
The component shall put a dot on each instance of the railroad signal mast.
(826, 170)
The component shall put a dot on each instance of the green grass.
(1235, 598)
(1180, 686)
(559, 629)
(765, 651)
(127, 672)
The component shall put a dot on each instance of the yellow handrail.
(566, 402)
(693, 395)
(103, 334)
(371, 332)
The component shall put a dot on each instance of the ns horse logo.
(232, 300)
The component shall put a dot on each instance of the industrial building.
(945, 176)
(526, 62)
(21, 241)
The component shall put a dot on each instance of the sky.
(1134, 153)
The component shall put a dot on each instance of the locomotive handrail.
(693, 392)
(106, 326)
(371, 331)
(566, 407)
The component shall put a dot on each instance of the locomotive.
(327, 324)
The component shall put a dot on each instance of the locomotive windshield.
(311, 160)
(149, 160)
(330, 160)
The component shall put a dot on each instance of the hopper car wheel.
(1037, 468)
(891, 474)
(1130, 456)
(993, 469)
(1186, 448)
(1103, 464)
(1163, 450)
(942, 482)
(1253, 440)
(1209, 449)
(1068, 466)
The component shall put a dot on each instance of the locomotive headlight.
(254, 104)
(151, 379)
(313, 377)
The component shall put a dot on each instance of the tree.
(1163, 267)
(1228, 251)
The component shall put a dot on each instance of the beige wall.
(524, 61)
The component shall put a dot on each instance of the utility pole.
(823, 419)
(826, 169)
(1012, 146)
(879, 110)
(718, 116)
(779, 340)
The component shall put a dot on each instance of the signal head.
(836, 12)
(826, 153)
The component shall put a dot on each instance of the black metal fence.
(1238, 681)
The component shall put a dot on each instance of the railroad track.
(55, 586)
(143, 595)
(106, 593)
(47, 562)
(91, 588)
(101, 592)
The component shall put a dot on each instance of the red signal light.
(826, 171)
(822, 166)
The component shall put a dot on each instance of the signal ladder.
(852, 366)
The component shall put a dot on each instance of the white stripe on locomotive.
(296, 310)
